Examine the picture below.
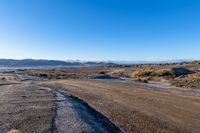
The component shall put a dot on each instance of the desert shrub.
(102, 72)
(178, 84)
(14, 131)
(3, 78)
(195, 62)
(142, 80)
(43, 75)
(142, 73)
(164, 73)
(120, 73)
(189, 81)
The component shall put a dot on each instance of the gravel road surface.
(33, 109)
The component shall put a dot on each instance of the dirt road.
(138, 108)
(30, 108)
(100, 106)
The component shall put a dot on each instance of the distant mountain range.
(152, 62)
(71, 63)
(42, 63)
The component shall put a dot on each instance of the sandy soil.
(26, 108)
(137, 109)
(87, 100)
(30, 108)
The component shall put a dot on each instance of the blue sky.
(100, 29)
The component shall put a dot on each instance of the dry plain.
(96, 100)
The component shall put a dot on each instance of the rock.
(180, 71)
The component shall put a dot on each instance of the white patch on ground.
(73, 117)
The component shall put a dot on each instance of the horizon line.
(80, 60)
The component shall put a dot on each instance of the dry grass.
(163, 73)
(142, 80)
(14, 131)
(189, 81)
(120, 73)
(143, 75)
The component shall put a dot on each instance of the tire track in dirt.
(74, 115)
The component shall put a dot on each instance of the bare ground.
(30, 108)
(137, 109)
(68, 96)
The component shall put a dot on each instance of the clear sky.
(100, 29)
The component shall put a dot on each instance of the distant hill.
(152, 62)
(40, 63)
